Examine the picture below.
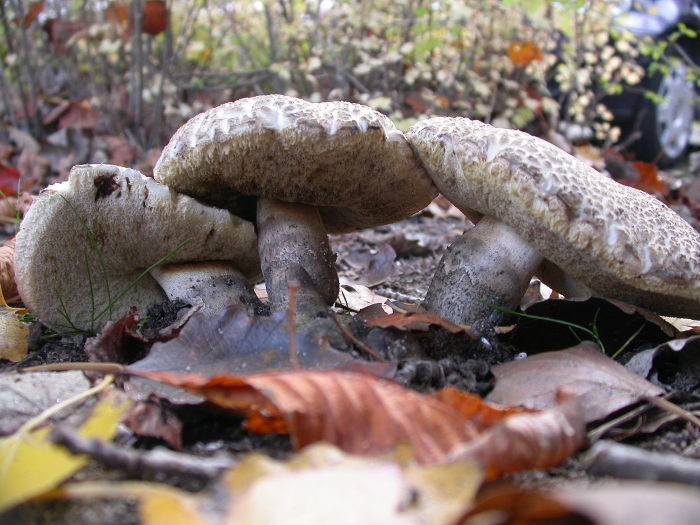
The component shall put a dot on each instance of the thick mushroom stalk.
(294, 248)
(490, 265)
(215, 285)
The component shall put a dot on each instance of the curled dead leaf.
(7, 271)
(369, 416)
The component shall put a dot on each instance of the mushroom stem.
(294, 247)
(215, 284)
(490, 265)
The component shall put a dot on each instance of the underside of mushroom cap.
(620, 242)
(347, 159)
(86, 240)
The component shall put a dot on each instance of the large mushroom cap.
(620, 242)
(347, 159)
(116, 217)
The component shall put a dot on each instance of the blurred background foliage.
(140, 69)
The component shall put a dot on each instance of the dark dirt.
(427, 361)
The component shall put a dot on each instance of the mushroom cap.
(347, 159)
(620, 242)
(129, 222)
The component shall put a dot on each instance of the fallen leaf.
(648, 180)
(675, 363)
(420, 321)
(362, 414)
(32, 465)
(322, 484)
(26, 395)
(9, 180)
(356, 297)
(80, 115)
(603, 385)
(528, 441)
(515, 505)
(238, 343)
(8, 286)
(375, 267)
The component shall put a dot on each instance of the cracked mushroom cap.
(618, 241)
(347, 159)
(130, 222)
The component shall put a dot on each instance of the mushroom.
(315, 168)
(538, 208)
(86, 241)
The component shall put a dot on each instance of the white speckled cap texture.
(132, 222)
(347, 159)
(620, 242)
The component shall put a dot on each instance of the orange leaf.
(117, 16)
(521, 53)
(648, 179)
(359, 413)
(528, 441)
(365, 415)
(416, 321)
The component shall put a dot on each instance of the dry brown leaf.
(528, 441)
(359, 413)
(364, 415)
(603, 385)
(7, 271)
(420, 321)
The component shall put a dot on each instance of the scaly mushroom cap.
(347, 159)
(620, 242)
(129, 222)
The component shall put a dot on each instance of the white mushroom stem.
(490, 265)
(216, 285)
(294, 248)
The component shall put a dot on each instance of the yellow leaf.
(13, 336)
(158, 504)
(31, 465)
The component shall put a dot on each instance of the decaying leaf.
(322, 483)
(30, 464)
(375, 268)
(528, 441)
(23, 396)
(238, 343)
(366, 415)
(7, 271)
(420, 321)
(602, 384)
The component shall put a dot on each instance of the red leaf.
(9, 179)
(155, 17)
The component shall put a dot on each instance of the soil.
(455, 360)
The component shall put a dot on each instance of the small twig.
(664, 404)
(608, 458)
(355, 340)
(157, 461)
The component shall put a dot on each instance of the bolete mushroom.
(538, 208)
(315, 168)
(85, 242)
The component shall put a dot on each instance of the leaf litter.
(297, 403)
